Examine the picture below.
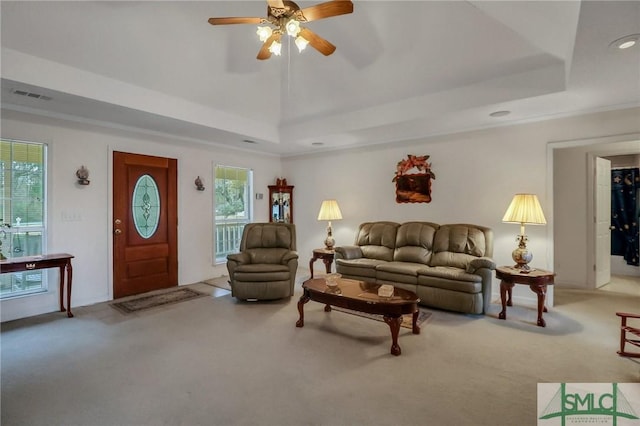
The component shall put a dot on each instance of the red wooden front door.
(145, 223)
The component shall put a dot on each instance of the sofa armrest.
(481, 262)
(348, 252)
(484, 266)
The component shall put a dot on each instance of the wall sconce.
(199, 184)
(83, 175)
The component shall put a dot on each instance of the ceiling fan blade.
(227, 21)
(327, 9)
(276, 3)
(264, 52)
(320, 44)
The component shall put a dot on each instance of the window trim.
(222, 258)
(45, 288)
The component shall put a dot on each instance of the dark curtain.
(625, 212)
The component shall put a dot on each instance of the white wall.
(89, 237)
(477, 174)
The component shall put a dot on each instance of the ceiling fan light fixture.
(301, 43)
(292, 27)
(275, 48)
(264, 33)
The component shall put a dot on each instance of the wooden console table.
(325, 255)
(30, 263)
(536, 279)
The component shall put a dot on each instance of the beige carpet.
(220, 282)
(216, 361)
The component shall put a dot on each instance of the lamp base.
(522, 256)
(329, 242)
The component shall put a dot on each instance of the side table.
(326, 256)
(536, 279)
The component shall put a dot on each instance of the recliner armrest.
(348, 252)
(481, 262)
(289, 256)
(239, 257)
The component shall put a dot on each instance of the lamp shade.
(329, 210)
(525, 208)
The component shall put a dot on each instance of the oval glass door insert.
(146, 206)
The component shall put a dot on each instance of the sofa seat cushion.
(450, 278)
(363, 267)
(403, 268)
(258, 272)
(399, 272)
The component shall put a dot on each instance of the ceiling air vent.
(30, 94)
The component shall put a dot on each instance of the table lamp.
(329, 210)
(524, 208)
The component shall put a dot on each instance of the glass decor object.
(146, 206)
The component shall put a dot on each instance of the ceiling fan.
(285, 17)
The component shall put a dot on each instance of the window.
(22, 212)
(233, 208)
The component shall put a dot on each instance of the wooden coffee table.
(362, 296)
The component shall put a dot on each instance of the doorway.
(145, 225)
(574, 205)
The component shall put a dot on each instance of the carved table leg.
(327, 264)
(69, 277)
(414, 322)
(327, 308)
(62, 271)
(394, 325)
(303, 299)
(505, 288)
(541, 291)
(313, 259)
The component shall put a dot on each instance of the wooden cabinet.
(281, 203)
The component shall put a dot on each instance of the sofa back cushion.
(457, 244)
(414, 242)
(377, 240)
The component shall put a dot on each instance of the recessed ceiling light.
(625, 42)
(499, 113)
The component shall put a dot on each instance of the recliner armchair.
(265, 268)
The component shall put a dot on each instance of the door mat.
(147, 302)
(220, 282)
(407, 320)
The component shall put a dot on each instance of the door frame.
(110, 217)
(598, 147)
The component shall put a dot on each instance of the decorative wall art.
(413, 187)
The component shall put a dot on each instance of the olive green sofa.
(448, 266)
